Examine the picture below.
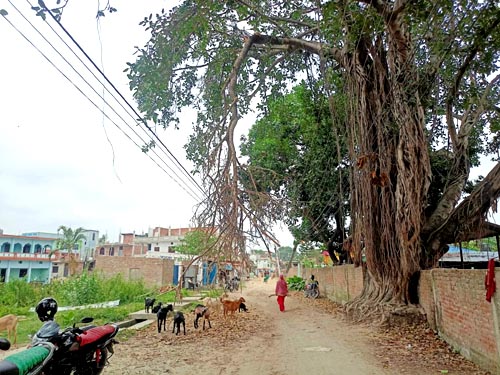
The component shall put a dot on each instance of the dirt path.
(306, 339)
(311, 337)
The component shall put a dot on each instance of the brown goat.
(9, 323)
(202, 312)
(231, 306)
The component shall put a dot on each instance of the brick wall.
(454, 302)
(154, 272)
(339, 283)
(456, 307)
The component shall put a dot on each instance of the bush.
(296, 283)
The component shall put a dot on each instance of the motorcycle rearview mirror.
(4, 344)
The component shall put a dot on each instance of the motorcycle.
(74, 351)
(311, 291)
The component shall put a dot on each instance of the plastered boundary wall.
(453, 300)
(154, 272)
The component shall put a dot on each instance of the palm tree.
(69, 240)
(103, 239)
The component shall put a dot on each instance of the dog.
(161, 315)
(242, 307)
(178, 320)
(230, 306)
(9, 323)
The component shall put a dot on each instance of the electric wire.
(169, 155)
(92, 102)
(123, 98)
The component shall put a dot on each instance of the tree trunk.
(391, 178)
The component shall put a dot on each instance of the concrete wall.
(154, 272)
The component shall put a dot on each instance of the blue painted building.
(25, 257)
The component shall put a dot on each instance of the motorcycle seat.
(96, 334)
(21, 363)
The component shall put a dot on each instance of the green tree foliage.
(196, 243)
(285, 253)
(70, 238)
(417, 77)
(292, 155)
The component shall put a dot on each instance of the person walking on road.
(281, 292)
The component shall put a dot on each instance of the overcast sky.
(57, 166)
(56, 163)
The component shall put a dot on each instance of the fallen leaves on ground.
(411, 347)
(225, 335)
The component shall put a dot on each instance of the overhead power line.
(143, 121)
(93, 103)
(169, 154)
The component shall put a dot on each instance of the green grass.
(17, 297)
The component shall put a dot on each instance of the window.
(157, 248)
(111, 251)
(23, 272)
(101, 251)
(38, 249)
(93, 236)
(5, 247)
(149, 247)
(55, 269)
(26, 248)
(171, 249)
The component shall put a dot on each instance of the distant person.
(281, 292)
(312, 281)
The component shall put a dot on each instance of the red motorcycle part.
(96, 334)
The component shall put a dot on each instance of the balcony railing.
(24, 256)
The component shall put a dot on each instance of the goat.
(242, 307)
(231, 306)
(162, 316)
(202, 312)
(9, 323)
(157, 308)
(148, 302)
(212, 303)
(192, 285)
(178, 320)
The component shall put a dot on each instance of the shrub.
(296, 283)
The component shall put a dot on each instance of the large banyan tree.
(421, 85)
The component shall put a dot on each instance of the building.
(85, 248)
(159, 243)
(262, 262)
(25, 257)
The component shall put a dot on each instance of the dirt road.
(305, 339)
(310, 337)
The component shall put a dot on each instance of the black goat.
(178, 320)
(162, 316)
(157, 308)
(243, 307)
(149, 303)
(192, 285)
(202, 312)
